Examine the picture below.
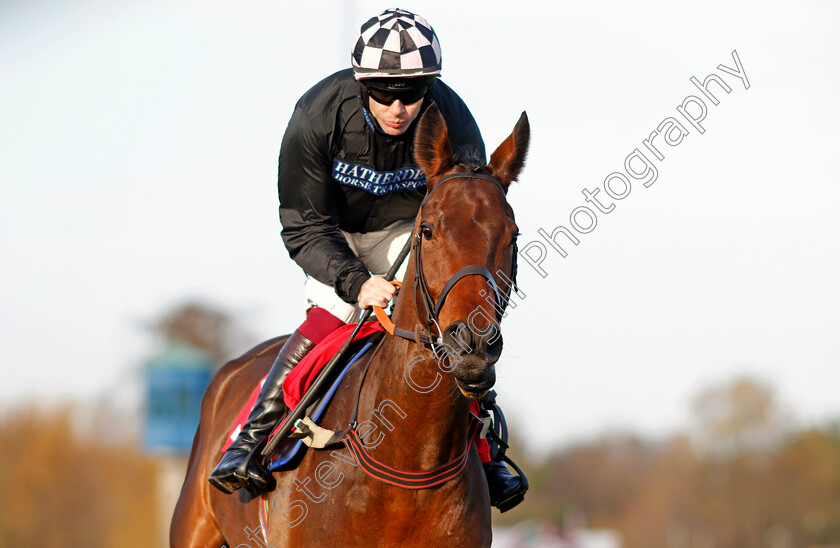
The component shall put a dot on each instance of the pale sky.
(138, 154)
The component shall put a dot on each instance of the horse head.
(464, 249)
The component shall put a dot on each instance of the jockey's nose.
(397, 107)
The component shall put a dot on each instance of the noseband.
(477, 427)
(430, 307)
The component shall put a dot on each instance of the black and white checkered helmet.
(396, 43)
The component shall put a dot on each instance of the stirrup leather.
(497, 436)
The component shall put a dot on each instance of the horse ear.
(507, 161)
(432, 150)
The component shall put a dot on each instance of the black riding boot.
(239, 467)
(506, 488)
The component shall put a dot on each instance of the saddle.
(306, 431)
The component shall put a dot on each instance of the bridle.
(478, 426)
(431, 308)
(427, 337)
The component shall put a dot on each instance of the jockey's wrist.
(354, 282)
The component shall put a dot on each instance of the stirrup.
(497, 436)
(246, 478)
(519, 495)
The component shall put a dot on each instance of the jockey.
(349, 191)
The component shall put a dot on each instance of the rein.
(478, 427)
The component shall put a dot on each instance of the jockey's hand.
(376, 291)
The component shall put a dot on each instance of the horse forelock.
(470, 159)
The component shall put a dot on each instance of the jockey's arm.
(309, 213)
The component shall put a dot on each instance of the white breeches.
(378, 250)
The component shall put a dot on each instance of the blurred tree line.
(741, 478)
(76, 477)
(62, 488)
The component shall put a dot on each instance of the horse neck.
(434, 429)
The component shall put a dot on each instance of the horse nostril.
(494, 349)
(459, 337)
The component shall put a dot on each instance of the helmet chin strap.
(427, 99)
(365, 96)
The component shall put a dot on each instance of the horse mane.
(469, 158)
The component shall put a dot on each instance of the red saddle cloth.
(304, 373)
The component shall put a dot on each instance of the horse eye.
(426, 231)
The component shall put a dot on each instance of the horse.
(415, 402)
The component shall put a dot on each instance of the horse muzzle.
(475, 390)
(473, 357)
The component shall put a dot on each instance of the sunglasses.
(406, 97)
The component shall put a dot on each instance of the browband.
(466, 176)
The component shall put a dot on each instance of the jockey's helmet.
(396, 44)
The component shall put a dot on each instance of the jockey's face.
(395, 119)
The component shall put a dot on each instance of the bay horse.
(416, 407)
